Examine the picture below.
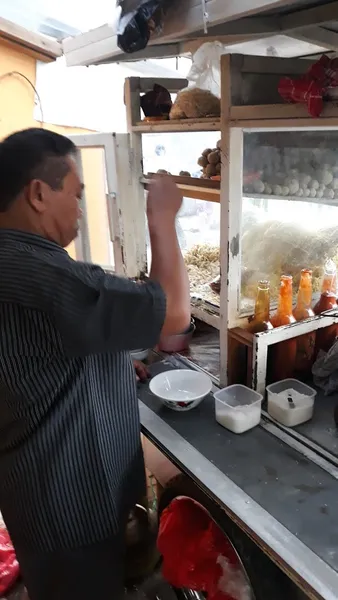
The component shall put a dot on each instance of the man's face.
(58, 210)
(65, 208)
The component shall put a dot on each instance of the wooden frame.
(134, 86)
(125, 212)
(235, 120)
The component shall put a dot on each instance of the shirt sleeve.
(98, 312)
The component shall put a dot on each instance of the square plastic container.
(238, 408)
(303, 397)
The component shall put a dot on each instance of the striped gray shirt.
(70, 458)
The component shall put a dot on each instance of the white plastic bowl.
(181, 389)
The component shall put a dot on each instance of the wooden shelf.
(213, 195)
(325, 201)
(284, 111)
(183, 125)
(197, 192)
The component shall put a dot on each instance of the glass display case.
(198, 223)
(289, 212)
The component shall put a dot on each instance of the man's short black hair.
(32, 154)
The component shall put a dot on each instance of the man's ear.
(36, 195)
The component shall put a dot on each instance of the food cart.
(272, 491)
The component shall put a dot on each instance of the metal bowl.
(179, 342)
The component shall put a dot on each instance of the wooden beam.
(184, 18)
(317, 35)
(322, 13)
(248, 26)
(43, 48)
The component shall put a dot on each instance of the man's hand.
(164, 201)
(142, 373)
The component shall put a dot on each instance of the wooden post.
(133, 109)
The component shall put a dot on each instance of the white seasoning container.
(290, 402)
(238, 408)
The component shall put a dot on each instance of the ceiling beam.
(184, 18)
(317, 35)
(254, 26)
(310, 16)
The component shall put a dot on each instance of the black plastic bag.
(157, 102)
(139, 18)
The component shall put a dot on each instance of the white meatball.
(258, 186)
(304, 179)
(277, 190)
(325, 177)
(300, 193)
(285, 190)
(319, 193)
(268, 189)
(314, 184)
(312, 193)
(334, 184)
(293, 185)
(329, 194)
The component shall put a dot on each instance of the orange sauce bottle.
(284, 353)
(303, 310)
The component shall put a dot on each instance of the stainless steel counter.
(265, 479)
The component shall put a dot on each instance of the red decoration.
(196, 553)
(313, 86)
(9, 566)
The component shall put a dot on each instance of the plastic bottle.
(283, 354)
(261, 319)
(328, 299)
(303, 310)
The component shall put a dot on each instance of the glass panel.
(176, 152)
(94, 176)
(289, 209)
(198, 223)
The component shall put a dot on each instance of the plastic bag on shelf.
(205, 72)
(9, 566)
(138, 19)
(202, 96)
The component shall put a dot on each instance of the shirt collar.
(32, 239)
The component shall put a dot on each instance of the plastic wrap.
(138, 19)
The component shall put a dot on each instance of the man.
(71, 464)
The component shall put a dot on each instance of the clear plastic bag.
(205, 72)
(202, 96)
